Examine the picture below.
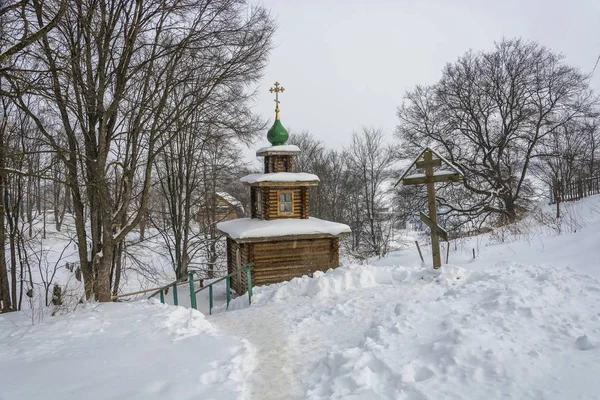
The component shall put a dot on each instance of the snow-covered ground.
(521, 320)
(142, 350)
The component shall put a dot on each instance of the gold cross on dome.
(277, 89)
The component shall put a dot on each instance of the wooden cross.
(429, 178)
(277, 89)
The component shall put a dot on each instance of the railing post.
(228, 290)
(162, 296)
(192, 292)
(210, 298)
(175, 299)
(249, 282)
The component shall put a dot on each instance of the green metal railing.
(163, 290)
(227, 279)
(190, 281)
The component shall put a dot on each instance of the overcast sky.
(347, 64)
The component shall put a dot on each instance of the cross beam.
(429, 178)
(277, 89)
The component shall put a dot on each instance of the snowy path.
(272, 376)
(291, 336)
(365, 332)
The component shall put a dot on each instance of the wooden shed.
(280, 238)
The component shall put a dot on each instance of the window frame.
(279, 202)
(258, 194)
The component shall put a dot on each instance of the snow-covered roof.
(281, 149)
(247, 228)
(280, 177)
(230, 199)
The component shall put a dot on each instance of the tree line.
(110, 102)
(514, 120)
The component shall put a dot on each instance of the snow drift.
(144, 350)
(393, 332)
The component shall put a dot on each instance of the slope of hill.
(144, 350)
(521, 320)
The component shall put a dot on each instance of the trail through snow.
(296, 323)
(364, 332)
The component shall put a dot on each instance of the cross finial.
(277, 89)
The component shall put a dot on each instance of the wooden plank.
(415, 181)
(439, 230)
(263, 254)
(420, 180)
(435, 241)
(305, 204)
(424, 164)
(296, 269)
(293, 244)
(261, 263)
(301, 255)
(285, 273)
(454, 177)
(290, 245)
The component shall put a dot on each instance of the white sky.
(347, 64)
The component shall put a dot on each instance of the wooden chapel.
(280, 239)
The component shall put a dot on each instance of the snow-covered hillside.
(521, 320)
(144, 350)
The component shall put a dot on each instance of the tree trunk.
(511, 209)
(4, 287)
(118, 263)
(13, 270)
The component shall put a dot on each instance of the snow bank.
(344, 280)
(243, 228)
(513, 331)
(280, 177)
(143, 350)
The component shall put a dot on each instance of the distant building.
(227, 208)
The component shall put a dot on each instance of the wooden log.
(298, 244)
(424, 164)
(305, 203)
(435, 243)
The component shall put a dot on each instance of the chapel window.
(285, 202)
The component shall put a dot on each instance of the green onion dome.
(277, 135)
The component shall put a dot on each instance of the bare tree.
(5, 296)
(488, 114)
(562, 156)
(370, 160)
(103, 96)
(16, 30)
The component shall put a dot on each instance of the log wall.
(279, 261)
(272, 208)
(238, 255)
(270, 203)
(278, 163)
